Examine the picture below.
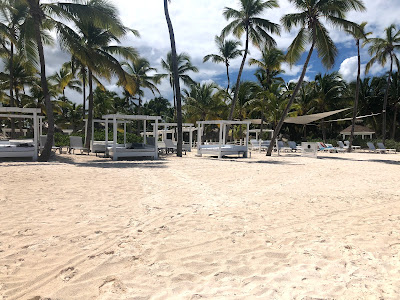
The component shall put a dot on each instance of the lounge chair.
(381, 146)
(255, 144)
(327, 148)
(43, 139)
(372, 148)
(347, 144)
(282, 147)
(171, 147)
(294, 146)
(342, 146)
(75, 143)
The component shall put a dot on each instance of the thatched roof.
(358, 129)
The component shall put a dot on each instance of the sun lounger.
(171, 147)
(381, 146)
(43, 139)
(347, 145)
(372, 148)
(17, 148)
(342, 146)
(294, 146)
(75, 143)
(282, 147)
(328, 148)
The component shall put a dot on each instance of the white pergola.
(186, 127)
(221, 148)
(25, 113)
(103, 121)
(257, 131)
(114, 119)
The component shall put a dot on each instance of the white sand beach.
(284, 227)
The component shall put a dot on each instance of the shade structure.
(303, 120)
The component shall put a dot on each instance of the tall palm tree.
(65, 78)
(269, 66)
(395, 97)
(313, 31)
(202, 102)
(184, 66)
(175, 75)
(327, 94)
(138, 70)
(228, 49)
(91, 44)
(247, 21)
(382, 49)
(358, 35)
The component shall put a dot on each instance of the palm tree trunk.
(227, 75)
(396, 107)
(37, 15)
(353, 123)
(285, 112)
(385, 102)
(235, 96)
(90, 112)
(12, 104)
(323, 129)
(84, 97)
(176, 80)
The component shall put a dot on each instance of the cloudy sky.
(197, 22)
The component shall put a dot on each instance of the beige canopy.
(312, 118)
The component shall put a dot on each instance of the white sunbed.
(75, 143)
(17, 148)
(132, 150)
(372, 148)
(294, 146)
(228, 149)
(381, 146)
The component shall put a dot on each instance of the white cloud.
(349, 68)
(197, 22)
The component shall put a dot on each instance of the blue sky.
(197, 22)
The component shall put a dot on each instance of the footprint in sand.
(112, 285)
(68, 273)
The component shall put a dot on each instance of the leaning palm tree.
(65, 78)
(358, 35)
(313, 31)
(382, 49)
(228, 49)
(247, 21)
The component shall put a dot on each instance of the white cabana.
(21, 148)
(117, 151)
(186, 128)
(100, 146)
(221, 148)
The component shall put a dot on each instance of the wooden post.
(115, 138)
(247, 139)
(220, 140)
(155, 133)
(35, 136)
(144, 132)
(125, 133)
(190, 138)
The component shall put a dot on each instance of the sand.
(286, 227)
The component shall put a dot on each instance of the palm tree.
(327, 94)
(358, 35)
(313, 31)
(228, 49)
(269, 66)
(382, 49)
(184, 66)
(65, 78)
(247, 21)
(175, 75)
(395, 97)
(91, 45)
(138, 70)
(202, 102)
